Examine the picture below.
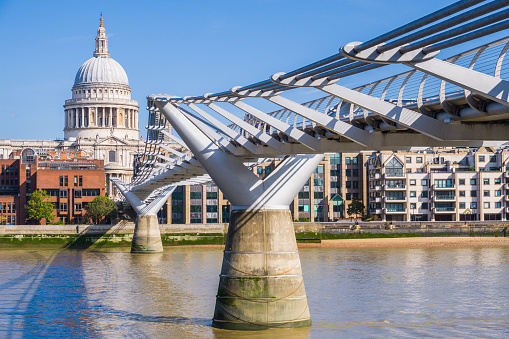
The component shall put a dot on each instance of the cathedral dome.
(101, 69)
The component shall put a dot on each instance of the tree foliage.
(356, 207)
(38, 207)
(99, 208)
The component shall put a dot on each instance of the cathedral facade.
(101, 119)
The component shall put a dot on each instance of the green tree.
(38, 207)
(356, 207)
(99, 208)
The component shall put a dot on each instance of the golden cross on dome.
(101, 19)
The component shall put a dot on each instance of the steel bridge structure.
(462, 100)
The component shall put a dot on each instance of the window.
(349, 196)
(418, 160)
(354, 161)
(462, 193)
(77, 194)
(347, 161)
(112, 156)
(424, 206)
(303, 208)
(493, 158)
(413, 194)
(408, 170)
(267, 170)
(259, 170)
(394, 168)
(444, 182)
(498, 204)
(498, 181)
(195, 195)
(63, 193)
(77, 207)
(473, 205)
(408, 160)
(348, 184)
(412, 182)
(80, 180)
(63, 207)
(486, 205)
(318, 195)
(355, 172)
(61, 179)
(481, 158)
(473, 193)
(462, 205)
(424, 182)
(195, 208)
(318, 182)
(211, 208)
(473, 182)
(355, 184)
(211, 195)
(413, 206)
(486, 181)
(319, 169)
(303, 195)
(424, 194)
(96, 192)
(348, 172)
(66, 180)
(486, 193)
(498, 193)
(462, 181)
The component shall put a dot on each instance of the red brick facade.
(71, 184)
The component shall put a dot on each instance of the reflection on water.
(378, 292)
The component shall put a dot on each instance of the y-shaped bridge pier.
(261, 284)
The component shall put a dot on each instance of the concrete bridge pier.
(261, 284)
(147, 236)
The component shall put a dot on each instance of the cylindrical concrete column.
(147, 236)
(261, 284)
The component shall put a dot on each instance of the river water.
(360, 292)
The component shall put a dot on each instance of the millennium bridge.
(462, 100)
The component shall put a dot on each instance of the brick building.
(70, 180)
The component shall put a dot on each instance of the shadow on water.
(91, 236)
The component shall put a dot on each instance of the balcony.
(395, 210)
(378, 188)
(444, 209)
(394, 199)
(446, 187)
(377, 176)
(378, 211)
(394, 175)
(394, 187)
(376, 199)
(450, 197)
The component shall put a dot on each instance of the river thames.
(354, 292)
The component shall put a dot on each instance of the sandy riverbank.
(413, 242)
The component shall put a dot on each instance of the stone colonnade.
(101, 116)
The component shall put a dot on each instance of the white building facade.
(440, 185)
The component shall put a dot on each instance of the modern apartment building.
(439, 185)
(325, 197)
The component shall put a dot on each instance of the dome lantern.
(101, 41)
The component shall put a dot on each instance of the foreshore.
(412, 242)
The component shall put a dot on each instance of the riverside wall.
(86, 236)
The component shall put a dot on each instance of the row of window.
(10, 170)
(78, 207)
(64, 180)
(7, 207)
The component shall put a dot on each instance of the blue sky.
(176, 47)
